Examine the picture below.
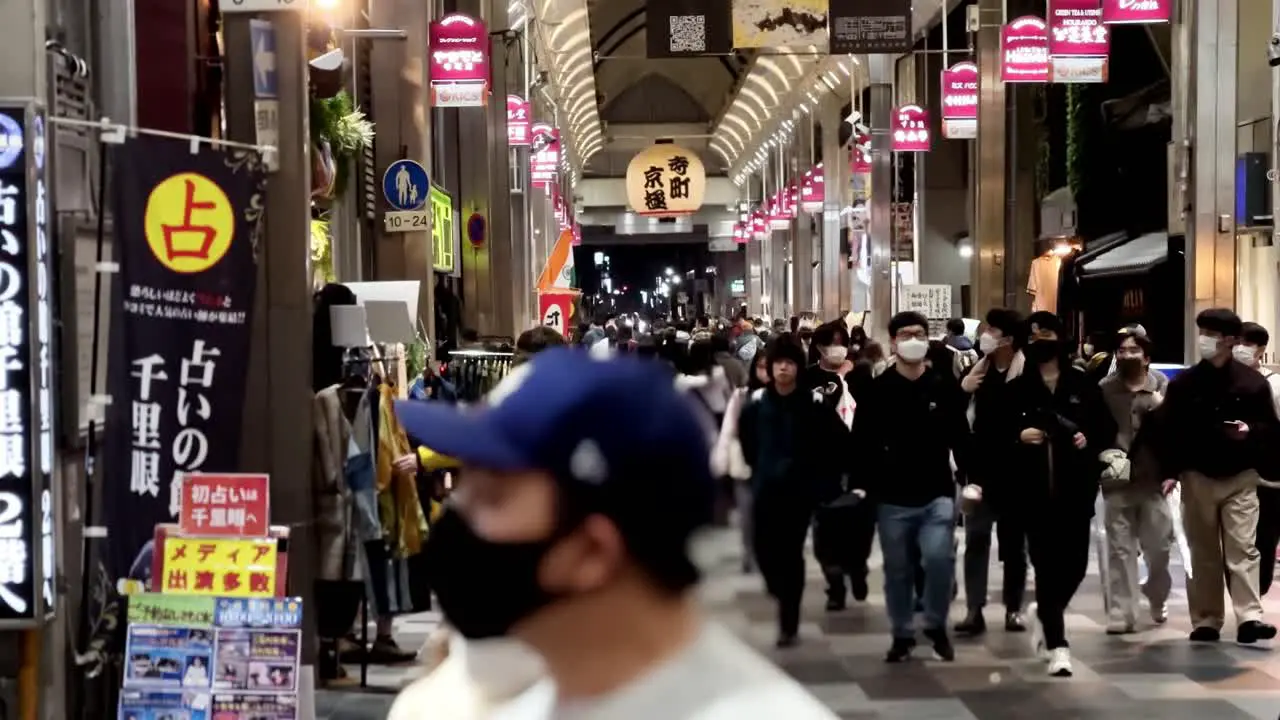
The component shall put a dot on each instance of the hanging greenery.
(338, 124)
(321, 253)
(417, 359)
(1076, 139)
(1044, 154)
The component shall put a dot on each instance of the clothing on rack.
(474, 372)
(1042, 283)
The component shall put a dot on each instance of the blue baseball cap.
(615, 428)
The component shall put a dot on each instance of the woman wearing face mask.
(1062, 425)
(727, 459)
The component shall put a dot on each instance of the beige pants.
(1138, 520)
(1221, 518)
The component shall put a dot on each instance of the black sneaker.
(1208, 634)
(385, 651)
(859, 587)
(1015, 622)
(1251, 632)
(900, 651)
(787, 640)
(972, 625)
(835, 603)
(941, 644)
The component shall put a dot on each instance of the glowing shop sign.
(1076, 29)
(1024, 51)
(910, 129)
(1136, 12)
(442, 258)
(459, 64)
(544, 155)
(519, 116)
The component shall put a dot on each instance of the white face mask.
(988, 343)
(835, 354)
(1245, 354)
(1208, 346)
(913, 349)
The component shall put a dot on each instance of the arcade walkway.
(1155, 674)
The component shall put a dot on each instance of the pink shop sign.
(459, 66)
(1136, 12)
(910, 129)
(1024, 51)
(960, 92)
(518, 121)
(1076, 29)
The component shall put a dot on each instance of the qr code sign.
(688, 33)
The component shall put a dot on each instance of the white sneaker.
(1060, 662)
(1037, 634)
(1160, 613)
(1120, 627)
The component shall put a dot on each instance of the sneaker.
(859, 587)
(1120, 627)
(1208, 634)
(942, 647)
(1014, 622)
(1060, 662)
(972, 625)
(1160, 613)
(385, 651)
(835, 604)
(1254, 630)
(787, 640)
(900, 651)
(1037, 635)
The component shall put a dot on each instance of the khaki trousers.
(1138, 520)
(1221, 519)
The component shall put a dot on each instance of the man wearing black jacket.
(909, 424)
(1217, 424)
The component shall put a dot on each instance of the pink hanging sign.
(459, 64)
(910, 129)
(1076, 29)
(1024, 51)
(544, 155)
(518, 116)
(960, 92)
(1136, 12)
(860, 155)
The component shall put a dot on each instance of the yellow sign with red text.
(218, 566)
(189, 223)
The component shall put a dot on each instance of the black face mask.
(484, 587)
(1042, 351)
(1129, 366)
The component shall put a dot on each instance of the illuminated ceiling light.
(762, 81)
(722, 154)
(730, 116)
(772, 67)
(565, 24)
(746, 93)
(572, 75)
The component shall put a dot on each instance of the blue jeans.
(925, 535)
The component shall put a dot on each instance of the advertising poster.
(262, 660)
(168, 657)
(188, 228)
(254, 707)
(870, 26)
(158, 609)
(219, 566)
(779, 23)
(163, 705)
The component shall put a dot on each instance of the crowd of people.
(815, 430)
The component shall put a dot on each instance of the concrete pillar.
(802, 297)
(488, 301)
(1211, 27)
(779, 300)
(988, 171)
(402, 117)
(879, 108)
(835, 168)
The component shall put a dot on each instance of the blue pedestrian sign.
(405, 185)
(262, 34)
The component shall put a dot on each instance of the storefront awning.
(1134, 256)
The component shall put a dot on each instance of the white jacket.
(726, 454)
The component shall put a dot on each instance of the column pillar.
(835, 168)
(880, 230)
(402, 117)
(488, 304)
(802, 227)
(988, 170)
(779, 307)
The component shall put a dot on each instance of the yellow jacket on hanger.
(432, 461)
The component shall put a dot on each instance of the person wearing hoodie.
(1061, 425)
(992, 476)
(787, 436)
(727, 459)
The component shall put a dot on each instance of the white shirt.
(479, 679)
(717, 677)
(1042, 283)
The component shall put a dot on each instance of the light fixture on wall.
(965, 248)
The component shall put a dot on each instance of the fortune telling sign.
(666, 180)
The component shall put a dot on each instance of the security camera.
(1273, 50)
(540, 80)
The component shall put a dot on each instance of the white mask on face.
(1208, 346)
(913, 349)
(835, 354)
(1245, 354)
(988, 343)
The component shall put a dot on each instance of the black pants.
(1009, 530)
(1059, 549)
(780, 530)
(1268, 535)
(842, 544)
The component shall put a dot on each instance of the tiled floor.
(1154, 674)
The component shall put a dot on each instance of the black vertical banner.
(688, 28)
(869, 26)
(186, 228)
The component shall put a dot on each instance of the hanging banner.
(666, 180)
(27, 398)
(687, 28)
(1076, 29)
(544, 155)
(555, 308)
(1024, 51)
(1136, 12)
(960, 101)
(459, 66)
(813, 190)
(518, 121)
(779, 23)
(188, 229)
(910, 129)
(869, 26)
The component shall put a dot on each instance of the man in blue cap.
(583, 483)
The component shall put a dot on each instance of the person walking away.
(992, 476)
(1137, 514)
(842, 534)
(1061, 425)
(748, 342)
(909, 424)
(787, 436)
(1217, 423)
(1252, 348)
(728, 460)
(557, 506)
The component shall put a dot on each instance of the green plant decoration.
(1044, 155)
(416, 361)
(1076, 139)
(339, 122)
(322, 253)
